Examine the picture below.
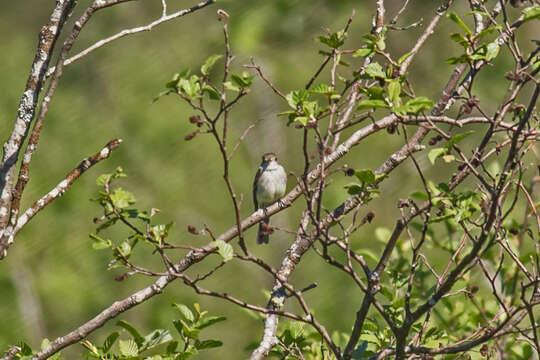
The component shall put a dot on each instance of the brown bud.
(311, 124)
(193, 230)
(403, 203)
(349, 172)
(190, 136)
(370, 215)
(391, 129)
(513, 231)
(484, 350)
(474, 289)
(121, 277)
(432, 141)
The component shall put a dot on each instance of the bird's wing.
(257, 175)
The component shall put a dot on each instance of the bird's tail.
(263, 235)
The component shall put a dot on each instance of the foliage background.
(52, 280)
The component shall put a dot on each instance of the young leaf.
(353, 189)
(418, 104)
(375, 70)
(302, 120)
(128, 348)
(363, 52)
(110, 340)
(209, 63)
(455, 18)
(366, 176)
(189, 331)
(207, 344)
(122, 198)
(225, 250)
(435, 153)
(185, 311)
(394, 90)
(371, 104)
(531, 13)
(244, 80)
(208, 321)
(212, 94)
(404, 57)
(229, 86)
(492, 51)
(457, 138)
(139, 339)
(335, 40)
(156, 338)
(100, 243)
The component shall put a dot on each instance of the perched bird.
(269, 185)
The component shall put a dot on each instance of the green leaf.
(207, 344)
(435, 153)
(173, 83)
(124, 249)
(418, 104)
(354, 189)
(531, 13)
(100, 243)
(492, 51)
(26, 350)
(322, 88)
(334, 40)
(229, 86)
(103, 179)
(208, 321)
(187, 330)
(185, 311)
(368, 326)
(297, 97)
(398, 303)
(394, 90)
(366, 176)
(375, 92)
(212, 94)
(363, 52)
(225, 250)
(209, 63)
(122, 198)
(139, 339)
(128, 348)
(375, 70)
(419, 195)
(404, 57)
(171, 348)
(110, 340)
(371, 104)
(296, 329)
(460, 39)
(156, 338)
(457, 138)
(244, 80)
(87, 344)
(302, 120)
(455, 18)
(458, 60)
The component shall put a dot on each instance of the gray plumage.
(269, 186)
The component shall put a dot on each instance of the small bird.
(269, 185)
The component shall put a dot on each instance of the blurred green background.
(52, 279)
